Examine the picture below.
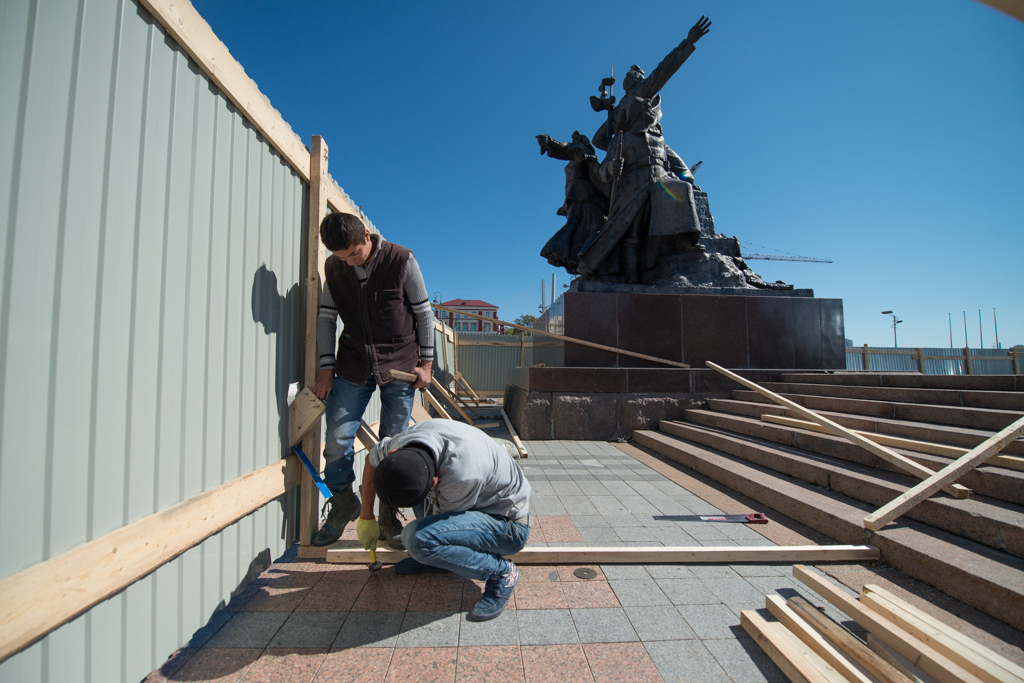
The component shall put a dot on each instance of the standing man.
(377, 289)
(475, 501)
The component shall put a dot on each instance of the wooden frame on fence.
(1013, 356)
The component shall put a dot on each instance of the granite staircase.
(972, 549)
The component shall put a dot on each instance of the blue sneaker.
(410, 566)
(497, 591)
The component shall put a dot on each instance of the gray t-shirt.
(474, 472)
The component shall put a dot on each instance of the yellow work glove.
(368, 532)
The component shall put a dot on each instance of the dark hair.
(341, 230)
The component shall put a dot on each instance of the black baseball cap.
(404, 476)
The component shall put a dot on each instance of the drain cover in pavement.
(585, 573)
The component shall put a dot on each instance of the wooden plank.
(303, 413)
(920, 655)
(845, 641)
(435, 404)
(365, 435)
(486, 425)
(812, 639)
(522, 349)
(898, 661)
(1008, 461)
(40, 598)
(460, 378)
(581, 342)
(971, 655)
(789, 654)
(509, 344)
(956, 469)
(649, 554)
(867, 358)
(448, 397)
(895, 458)
(515, 437)
(419, 413)
(920, 362)
(968, 365)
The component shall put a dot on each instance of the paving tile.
(562, 663)
(578, 505)
(619, 520)
(494, 664)
(608, 504)
(735, 591)
(593, 488)
(430, 629)
(688, 592)
(529, 573)
(215, 623)
(437, 593)
(178, 659)
(713, 571)
(744, 661)
(598, 535)
(589, 594)
(248, 629)
(636, 593)
(332, 596)
(638, 534)
(309, 629)
(567, 488)
(706, 533)
(670, 571)
(545, 505)
(686, 661)
(590, 521)
(536, 537)
(625, 571)
(659, 623)
(603, 625)
(358, 665)
(218, 665)
(369, 629)
(620, 663)
(502, 630)
(540, 595)
(566, 572)
(286, 665)
(423, 665)
(385, 591)
(546, 627)
(759, 569)
(711, 621)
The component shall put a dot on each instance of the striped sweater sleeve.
(416, 294)
(327, 330)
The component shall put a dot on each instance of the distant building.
(849, 343)
(461, 323)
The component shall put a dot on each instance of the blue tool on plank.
(312, 472)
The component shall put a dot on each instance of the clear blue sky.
(888, 136)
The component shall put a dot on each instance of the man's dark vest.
(380, 330)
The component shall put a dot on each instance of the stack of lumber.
(903, 644)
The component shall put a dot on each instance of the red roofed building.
(461, 323)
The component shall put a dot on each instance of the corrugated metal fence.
(906, 361)
(484, 367)
(150, 319)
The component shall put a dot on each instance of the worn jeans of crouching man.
(471, 544)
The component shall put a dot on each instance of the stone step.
(962, 437)
(978, 418)
(911, 380)
(995, 482)
(991, 580)
(1000, 400)
(993, 522)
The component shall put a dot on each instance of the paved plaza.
(311, 621)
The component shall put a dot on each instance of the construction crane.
(804, 259)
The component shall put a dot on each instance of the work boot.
(344, 508)
(390, 527)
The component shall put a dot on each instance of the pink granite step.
(911, 380)
(1000, 400)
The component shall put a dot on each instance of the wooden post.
(968, 366)
(522, 349)
(1015, 359)
(867, 358)
(920, 362)
(309, 496)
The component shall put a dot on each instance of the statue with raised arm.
(586, 199)
(652, 209)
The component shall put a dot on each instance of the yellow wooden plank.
(303, 413)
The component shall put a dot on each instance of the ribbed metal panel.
(484, 367)
(907, 363)
(150, 319)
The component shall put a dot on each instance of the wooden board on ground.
(515, 437)
(956, 469)
(927, 658)
(798, 661)
(647, 554)
(304, 412)
(944, 450)
(893, 457)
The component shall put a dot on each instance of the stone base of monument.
(605, 395)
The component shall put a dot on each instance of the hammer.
(374, 562)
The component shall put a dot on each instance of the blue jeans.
(471, 544)
(345, 406)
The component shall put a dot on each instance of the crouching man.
(474, 500)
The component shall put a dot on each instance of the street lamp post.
(895, 321)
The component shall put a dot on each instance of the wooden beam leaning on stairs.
(956, 469)
(882, 452)
(1007, 461)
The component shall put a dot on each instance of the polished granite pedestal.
(605, 395)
